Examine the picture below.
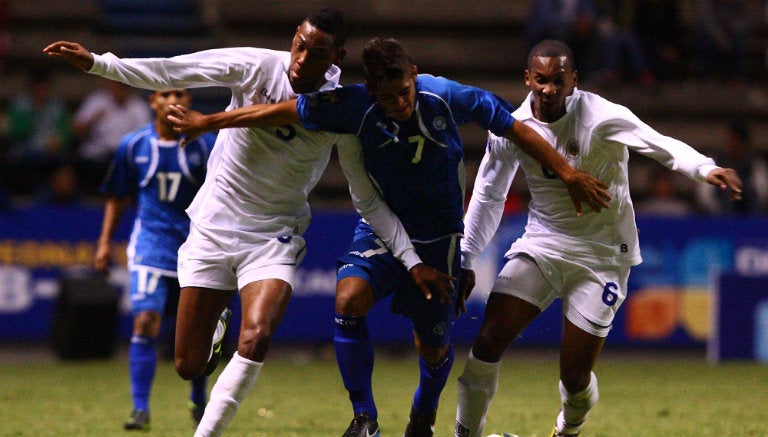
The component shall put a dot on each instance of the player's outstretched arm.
(71, 52)
(193, 123)
(726, 178)
(430, 279)
(582, 187)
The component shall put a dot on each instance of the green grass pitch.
(299, 393)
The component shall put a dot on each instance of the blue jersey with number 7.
(417, 164)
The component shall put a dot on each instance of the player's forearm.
(265, 115)
(113, 212)
(533, 144)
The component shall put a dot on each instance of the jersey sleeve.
(626, 128)
(338, 110)
(472, 104)
(486, 206)
(371, 206)
(216, 67)
(122, 177)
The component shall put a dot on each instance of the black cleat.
(197, 411)
(420, 425)
(139, 421)
(362, 426)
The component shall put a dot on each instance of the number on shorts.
(609, 295)
(378, 251)
(147, 281)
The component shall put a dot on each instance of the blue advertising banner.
(670, 300)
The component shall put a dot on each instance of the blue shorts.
(368, 258)
(153, 291)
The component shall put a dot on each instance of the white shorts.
(591, 296)
(228, 260)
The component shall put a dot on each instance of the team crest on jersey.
(195, 159)
(572, 149)
(322, 98)
(439, 123)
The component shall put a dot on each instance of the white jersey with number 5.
(258, 179)
(595, 136)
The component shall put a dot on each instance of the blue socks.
(431, 383)
(142, 362)
(198, 396)
(354, 355)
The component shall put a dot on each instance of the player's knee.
(254, 341)
(147, 324)
(354, 297)
(188, 369)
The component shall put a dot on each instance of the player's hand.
(102, 258)
(71, 52)
(186, 121)
(726, 178)
(466, 284)
(430, 279)
(585, 188)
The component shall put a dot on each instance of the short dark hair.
(385, 60)
(551, 48)
(332, 21)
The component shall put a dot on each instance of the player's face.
(397, 97)
(551, 79)
(312, 53)
(159, 101)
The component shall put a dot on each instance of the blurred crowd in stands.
(57, 152)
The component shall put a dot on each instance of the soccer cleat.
(563, 429)
(420, 425)
(139, 421)
(362, 426)
(218, 341)
(559, 434)
(196, 410)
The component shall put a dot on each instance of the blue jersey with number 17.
(164, 177)
(417, 164)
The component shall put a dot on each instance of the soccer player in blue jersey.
(407, 124)
(151, 166)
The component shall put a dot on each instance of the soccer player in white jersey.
(584, 261)
(408, 129)
(150, 165)
(248, 218)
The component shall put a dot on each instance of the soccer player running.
(249, 217)
(408, 127)
(584, 261)
(150, 166)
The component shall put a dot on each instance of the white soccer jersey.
(595, 136)
(259, 179)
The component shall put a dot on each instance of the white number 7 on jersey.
(419, 140)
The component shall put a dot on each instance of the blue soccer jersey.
(418, 164)
(164, 177)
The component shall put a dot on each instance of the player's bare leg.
(198, 314)
(578, 384)
(505, 318)
(264, 304)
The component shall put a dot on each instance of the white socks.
(477, 386)
(576, 407)
(232, 387)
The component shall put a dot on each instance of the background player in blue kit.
(150, 165)
(408, 127)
